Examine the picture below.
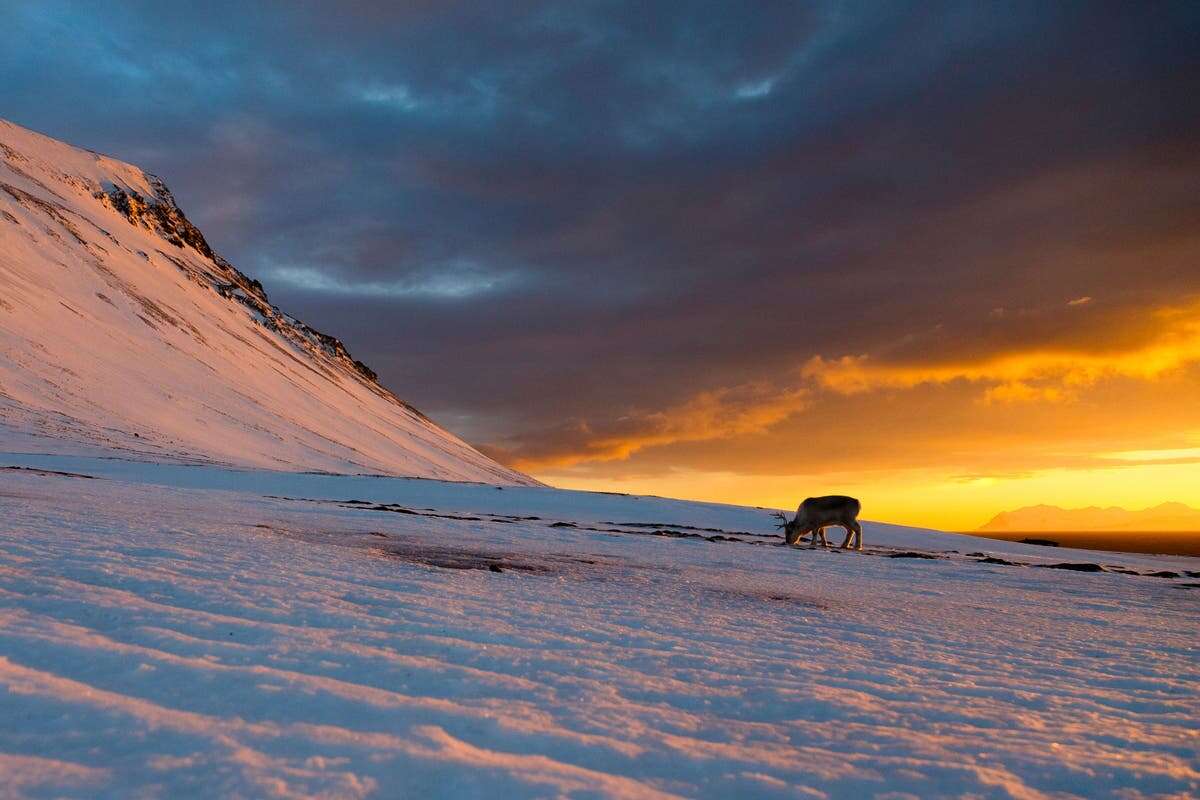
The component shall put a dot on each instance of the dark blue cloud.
(529, 212)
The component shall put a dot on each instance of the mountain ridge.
(122, 328)
(1168, 516)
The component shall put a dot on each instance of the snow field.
(168, 640)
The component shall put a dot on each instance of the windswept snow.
(121, 329)
(191, 631)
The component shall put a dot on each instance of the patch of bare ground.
(776, 597)
(442, 557)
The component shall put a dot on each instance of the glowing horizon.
(1094, 426)
(950, 505)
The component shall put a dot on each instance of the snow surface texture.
(171, 631)
(121, 330)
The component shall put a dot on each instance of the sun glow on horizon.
(921, 500)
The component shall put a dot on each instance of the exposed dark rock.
(159, 214)
(675, 534)
(363, 369)
(1074, 566)
(1040, 542)
(395, 509)
(49, 473)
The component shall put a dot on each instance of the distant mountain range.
(1165, 517)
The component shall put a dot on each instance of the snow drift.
(122, 330)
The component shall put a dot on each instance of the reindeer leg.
(849, 536)
(820, 532)
(857, 535)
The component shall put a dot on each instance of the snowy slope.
(121, 330)
(170, 631)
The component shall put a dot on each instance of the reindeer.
(815, 513)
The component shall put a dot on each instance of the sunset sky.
(948, 262)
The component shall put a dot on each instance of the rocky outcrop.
(163, 216)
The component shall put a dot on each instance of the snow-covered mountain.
(121, 329)
(1164, 517)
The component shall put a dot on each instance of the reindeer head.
(791, 531)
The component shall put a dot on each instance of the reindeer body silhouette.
(817, 513)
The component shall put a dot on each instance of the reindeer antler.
(783, 520)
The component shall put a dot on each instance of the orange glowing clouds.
(1046, 375)
(714, 415)
(943, 441)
